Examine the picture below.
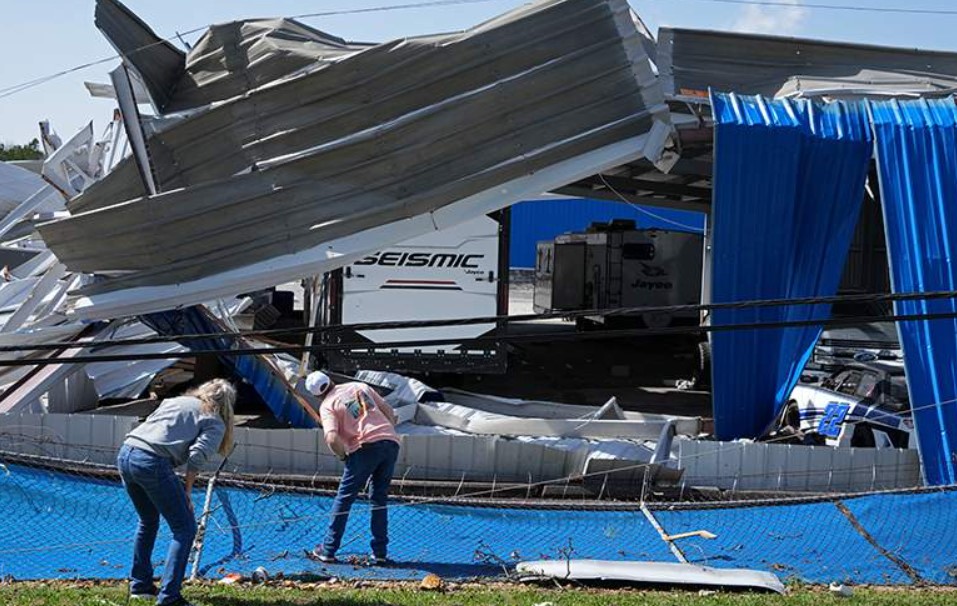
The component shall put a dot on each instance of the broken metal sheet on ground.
(302, 175)
(128, 379)
(690, 426)
(471, 420)
(25, 394)
(691, 62)
(654, 573)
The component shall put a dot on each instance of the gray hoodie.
(179, 431)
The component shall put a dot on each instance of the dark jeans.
(156, 491)
(376, 461)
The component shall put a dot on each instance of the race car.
(861, 404)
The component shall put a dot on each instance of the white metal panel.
(72, 394)
(60, 169)
(304, 447)
(17, 185)
(14, 293)
(470, 420)
(690, 575)
(35, 266)
(21, 433)
(37, 295)
(766, 467)
(78, 436)
(690, 426)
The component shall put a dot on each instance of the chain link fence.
(73, 520)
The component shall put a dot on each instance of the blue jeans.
(376, 461)
(156, 491)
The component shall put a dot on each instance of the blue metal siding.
(257, 370)
(537, 220)
(916, 143)
(789, 182)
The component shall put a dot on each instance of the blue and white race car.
(861, 404)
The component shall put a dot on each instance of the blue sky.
(47, 36)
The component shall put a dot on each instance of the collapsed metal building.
(272, 151)
(275, 152)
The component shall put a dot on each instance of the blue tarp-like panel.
(812, 542)
(918, 528)
(788, 185)
(917, 160)
(70, 526)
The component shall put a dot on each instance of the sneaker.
(147, 594)
(319, 555)
(382, 561)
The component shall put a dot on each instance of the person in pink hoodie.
(359, 428)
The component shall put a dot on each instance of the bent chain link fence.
(72, 519)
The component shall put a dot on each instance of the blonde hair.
(218, 397)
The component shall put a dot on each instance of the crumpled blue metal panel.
(257, 370)
(917, 161)
(788, 185)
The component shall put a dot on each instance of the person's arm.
(384, 407)
(330, 430)
(190, 480)
(335, 444)
(211, 432)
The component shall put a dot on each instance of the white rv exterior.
(621, 267)
(450, 274)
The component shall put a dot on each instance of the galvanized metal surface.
(692, 62)
(425, 131)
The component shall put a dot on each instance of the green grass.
(348, 594)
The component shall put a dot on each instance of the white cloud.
(771, 20)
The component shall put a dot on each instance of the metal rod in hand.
(199, 541)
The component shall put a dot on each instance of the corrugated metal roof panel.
(789, 181)
(693, 61)
(546, 93)
(158, 63)
(917, 163)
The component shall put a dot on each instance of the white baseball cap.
(318, 382)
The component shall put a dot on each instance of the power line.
(18, 88)
(647, 212)
(494, 340)
(394, 7)
(400, 324)
(837, 7)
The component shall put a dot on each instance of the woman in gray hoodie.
(182, 431)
